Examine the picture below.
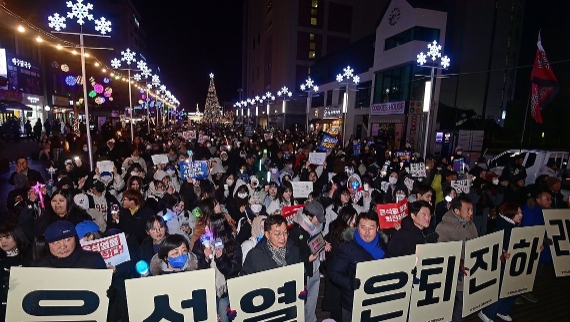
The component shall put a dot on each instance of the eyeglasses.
(280, 234)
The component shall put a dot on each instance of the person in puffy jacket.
(416, 230)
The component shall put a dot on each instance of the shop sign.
(21, 63)
(416, 107)
(61, 101)
(388, 108)
(331, 113)
(3, 65)
(7, 95)
(32, 100)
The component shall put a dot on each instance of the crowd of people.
(171, 223)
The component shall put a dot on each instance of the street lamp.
(268, 97)
(145, 72)
(346, 77)
(434, 53)
(309, 87)
(128, 57)
(80, 12)
(285, 93)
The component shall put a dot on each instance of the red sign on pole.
(289, 213)
(392, 213)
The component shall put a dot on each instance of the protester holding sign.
(415, 230)
(366, 245)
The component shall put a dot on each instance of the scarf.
(278, 254)
(220, 280)
(372, 247)
(462, 221)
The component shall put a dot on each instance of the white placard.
(113, 249)
(385, 289)
(437, 268)
(301, 189)
(461, 186)
(272, 294)
(159, 159)
(418, 169)
(80, 292)
(520, 269)
(203, 138)
(409, 184)
(317, 158)
(483, 259)
(105, 166)
(161, 298)
(557, 222)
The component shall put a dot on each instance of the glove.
(232, 314)
(355, 283)
(303, 294)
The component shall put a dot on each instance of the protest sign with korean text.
(289, 212)
(392, 213)
(409, 183)
(461, 186)
(58, 294)
(520, 269)
(328, 143)
(483, 259)
(156, 298)
(385, 289)
(275, 299)
(113, 249)
(437, 269)
(356, 147)
(159, 159)
(301, 189)
(194, 169)
(317, 158)
(403, 155)
(418, 169)
(105, 166)
(268, 136)
(557, 223)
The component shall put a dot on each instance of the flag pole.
(525, 117)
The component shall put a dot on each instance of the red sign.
(388, 108)
(10, 95)
(392, 213)
(289, 213)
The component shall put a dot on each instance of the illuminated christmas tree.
(212, 110)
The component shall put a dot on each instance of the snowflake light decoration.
(339, 78)
(162, 88)
(137, 77)
(115, 63)
(56, 22)
(80, 80)
(422, 58)
(155, 80)
(445, 61)
(71, 81)
(92, 94)
(128, 56)
(64, 68)
(99, 100)
(356, 79)
(434, 50)
(98, 88)
(316, 88)
(141, 64)
(79, 11)
(348, 73)
(284, 92)
(106, 80)
(146, 72)
(107, 94)
(102, 25)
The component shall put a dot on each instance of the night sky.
(191, 39)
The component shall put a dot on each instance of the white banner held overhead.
(159, 159)
(114, 249)
(58, 294)
(418, 170)
(461, 186)
(105, 166)
(557, 223)
(301, 189)
(385, 289)
(317, 158)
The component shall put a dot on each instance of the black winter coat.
(259, 258)
(132, 224)
(229, 266)
(404, 241)
(299, 237)
(78, 259)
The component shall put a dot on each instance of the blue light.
(106, 80)
(142, 267)
(71, 81)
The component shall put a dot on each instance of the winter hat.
(59, 230)
(256, 223)
(314, 208)
(86, 227)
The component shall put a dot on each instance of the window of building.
(341, 95)
(329, 97)
(415, 33)
(313, 21)
(312, 54)
(363, 95)
(315, 3)
(312, 46)
(312, 37)
(399, 84)
(314, 12)
(317, 101)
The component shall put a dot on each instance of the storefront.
(388, 120)
(326, 119)
(35, 102)
(62, 107)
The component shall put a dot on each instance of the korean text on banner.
(437, 267)
(520, 269)
(289, 213)
(418, 169)
(268, 136)
(317, 158)
(328, 143)
(105, 166)
(483, 259)
(159, 159)
(557, 223)
(392, 213)
(461, 186)
(385, 289)
(29, 286)
(301, 189)
(154, 298)
(113, 249)
(194, 169)
(276, 299)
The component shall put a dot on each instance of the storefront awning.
(13, 105)
(384, 119)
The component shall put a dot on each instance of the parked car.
(533, 161)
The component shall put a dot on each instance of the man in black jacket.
(273, 251)
(22, 167)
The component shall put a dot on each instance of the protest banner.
(437, 269)
(317, 158)
(189, 135)
(301, 189)
(289, 212)
(58, 294)
(194, 169)
(409, 183)
(156, 298)
(557, 222)
(203, 138)
(403, 155)
(268, 136)
(159, 159)
(461, 186)
(418, 170)
(356, 147)
(276, 298)
(459, 167)
(385, 289)
(328, 143)
(483, 259)
(392, 213)
(113, 249)
(105, 166)
(520, 269)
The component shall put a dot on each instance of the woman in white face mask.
(178, 219)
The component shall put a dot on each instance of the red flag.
(544, 85)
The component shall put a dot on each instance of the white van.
(533, 161)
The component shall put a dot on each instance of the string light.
(21, 28)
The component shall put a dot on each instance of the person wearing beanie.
(87, 230)
(64, 250)
(555, 185)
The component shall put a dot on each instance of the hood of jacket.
(219, 167)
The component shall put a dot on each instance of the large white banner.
(385, 289)
(483, 259)
(301, 189)
(557, 223)
(271, 295)
(183, 296)
(58, 294)
(520, 269)
(433, 293)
